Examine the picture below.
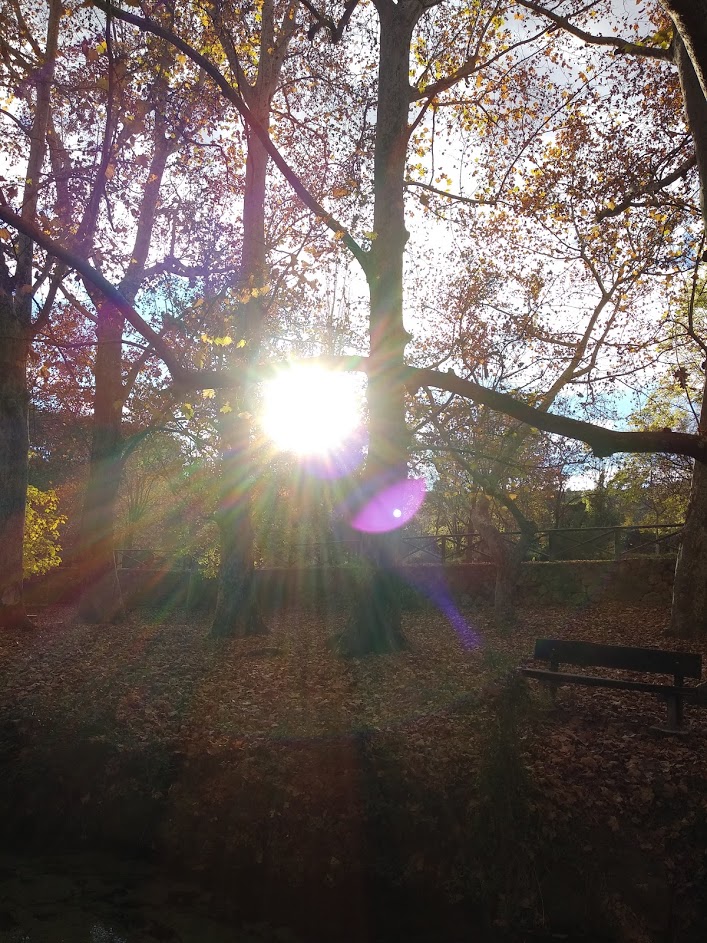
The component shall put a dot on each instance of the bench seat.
(680, 665)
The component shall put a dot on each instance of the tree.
(686, 50)
(34, 70)
(237, 612)
(475, 51)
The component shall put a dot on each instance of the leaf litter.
(308, 741)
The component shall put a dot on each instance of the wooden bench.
(680, 665)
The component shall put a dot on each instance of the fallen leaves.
(282, 747)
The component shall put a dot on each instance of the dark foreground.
(158, 785)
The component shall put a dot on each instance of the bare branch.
(455, 197)
(322, 21)
(616, 42)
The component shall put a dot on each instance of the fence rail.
(568, 543)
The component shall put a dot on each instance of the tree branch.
(602, 441)
(334, 28)
(93, 276)
(616, 42)
(654, 186)
(454, 197)
(231, 95)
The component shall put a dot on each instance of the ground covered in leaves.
(418, 796)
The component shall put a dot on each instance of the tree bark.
(14, 402)
(688, 617)
(101, 598)
(690, 19)
(507, 559)
(238, 612)
(375, 623)
(15, 338)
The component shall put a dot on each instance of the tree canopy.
(513, 191)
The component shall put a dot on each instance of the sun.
(309, 410)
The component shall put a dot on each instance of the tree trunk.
(690, 19)
(101, 599)
(507, 559)
(237, 610)
(14, 402)
(375, 623)
(689, 608)
(238, 613)
(15, 337)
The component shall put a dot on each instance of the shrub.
(42, 522)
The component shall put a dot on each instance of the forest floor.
(418, 796)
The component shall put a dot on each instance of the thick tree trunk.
(375, 623)
(101, 600)
(689, 609)
(690, 19)
(14, 401)
(238, 613)
(15, 337)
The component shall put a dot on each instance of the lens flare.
(340, 461)
(390, 508)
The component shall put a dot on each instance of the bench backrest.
(591, 655)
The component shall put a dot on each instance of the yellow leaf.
(208, 394)
(226, 408)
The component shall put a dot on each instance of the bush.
(42, 522)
